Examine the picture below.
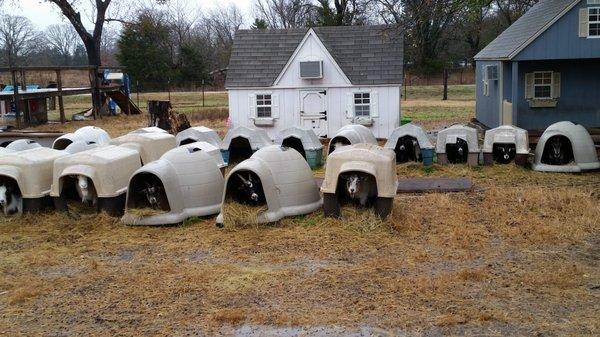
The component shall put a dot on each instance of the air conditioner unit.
(310, 70)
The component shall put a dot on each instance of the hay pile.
(236, 215)
(360, 220)
(144, 212)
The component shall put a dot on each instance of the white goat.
(86, 192)
(361, 188)
(10, 200)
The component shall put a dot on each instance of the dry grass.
(239, 216)
(144, 212)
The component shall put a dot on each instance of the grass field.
(519, 255)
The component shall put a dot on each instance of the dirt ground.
(519, 255)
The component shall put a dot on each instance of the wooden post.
(26, 116)
(61, 105)
(445, 85)
(16, 99)
(405, 88)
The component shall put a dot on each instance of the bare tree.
(511, 10)
(284, 13)
(219, 27)
(343, 12)
(390, 10)
(62, 38)
(17, 38)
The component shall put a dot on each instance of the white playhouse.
(319, 78)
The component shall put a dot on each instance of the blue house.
(543, 69)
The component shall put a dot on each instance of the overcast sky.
(43, 14)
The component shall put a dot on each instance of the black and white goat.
(360, 187)
(504, 153)
(558, 151)
(11, 199)
(457, 153)
(155, 196)
(86, 191)
(250, 190)
(407, 149)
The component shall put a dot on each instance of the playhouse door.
(313, 111)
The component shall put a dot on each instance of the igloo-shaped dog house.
(150, 145)
(4, 150)
(29, 174)
(23, 144)
(506, 144)
(457, 144)
(85, 134)
(285, 179)
(185, 182)
(305, 141)
(107, 169)
(350, 135)
(80, 146)
(240, 143)
(198, 134)
(565, 147)
(211, 150)
(373, 165)
(411, 143)
(150, 129)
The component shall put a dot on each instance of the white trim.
(310, 33)
(500, 84)
(310, 87)
(589, 36)
(551, 85)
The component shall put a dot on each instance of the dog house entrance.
(356, 188)
(296, 144)
(187, 141)
(11, 201)
(558, 151)
(80, 193)
(245, 187)
(6, 143)
(407, 149)
(457, 153)
(147, 192)
(62, 143)
(338, 141)
(239, 150)
(504, 153)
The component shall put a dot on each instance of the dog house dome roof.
(192, 181)
(355, 134)
(308, 137)
(258, 138)
(198, 134)
(288, 183)
(150, 145)
(507, 134)
(149, 129)
(409, 129)
(85, 134)
(366, 158)
(450, 134)
(210, 149)
(31, 169)
(584, 151)
(23, 144)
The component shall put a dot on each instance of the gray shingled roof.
(366, 54)
(526, 27)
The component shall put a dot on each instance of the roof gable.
(526, 29)
(367, 55)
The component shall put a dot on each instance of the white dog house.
(286, 181)
(506, 144)
(411, 143)
(150, 145)
(305, 141)
(457, 144)
(319, 78)
(150, 129)
(23, 144)
(213, 151)
(85, 134)
(351, 135)
(240, 143)
(198, 134)
(565, 147)
(186, 182)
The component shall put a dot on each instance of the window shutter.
(555, 85)
(584, 27)
(275, 106)
(529, 86)
(252, 106)
(374, 104)
(350, 105)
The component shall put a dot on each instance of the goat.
(360, 187)
(407, 149)
(458, 152)
(155, 196)
(557, 152)
(11, 200)
(250, 190)
(504, 153)
(86, 191)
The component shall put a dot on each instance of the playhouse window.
(263, 106)
(594, 22)
(542, 84)
(362, 104)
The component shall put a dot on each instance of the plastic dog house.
(240, 143)
(411, 143)
(86, 134)
(31, 172)
(350, 135)
(288, 186)
(150, 129)
(198, 134)
(108, 168)
(369, 161)
(506, 144)
(209, 149)
(565, 147)
(23, 144)
(187, 182)
(150, 145)
(305, 141)
(457, 144)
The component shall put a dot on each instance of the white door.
(507, 117)
(313, 111)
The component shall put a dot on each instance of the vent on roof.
(311, 70)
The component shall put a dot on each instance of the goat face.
(249, 188)
(557, 154)
(353, 185)
(458, 152)
(151, 192)
(504, 153)
(406, 149)
(3, 196)
(10, 200)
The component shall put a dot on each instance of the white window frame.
(590, 23)
(261, 103)
(362, 103)
(550, 85)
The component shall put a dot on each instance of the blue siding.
(562, 41)
(487, 107)
(579, 101)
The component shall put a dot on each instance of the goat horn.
(241, 177)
